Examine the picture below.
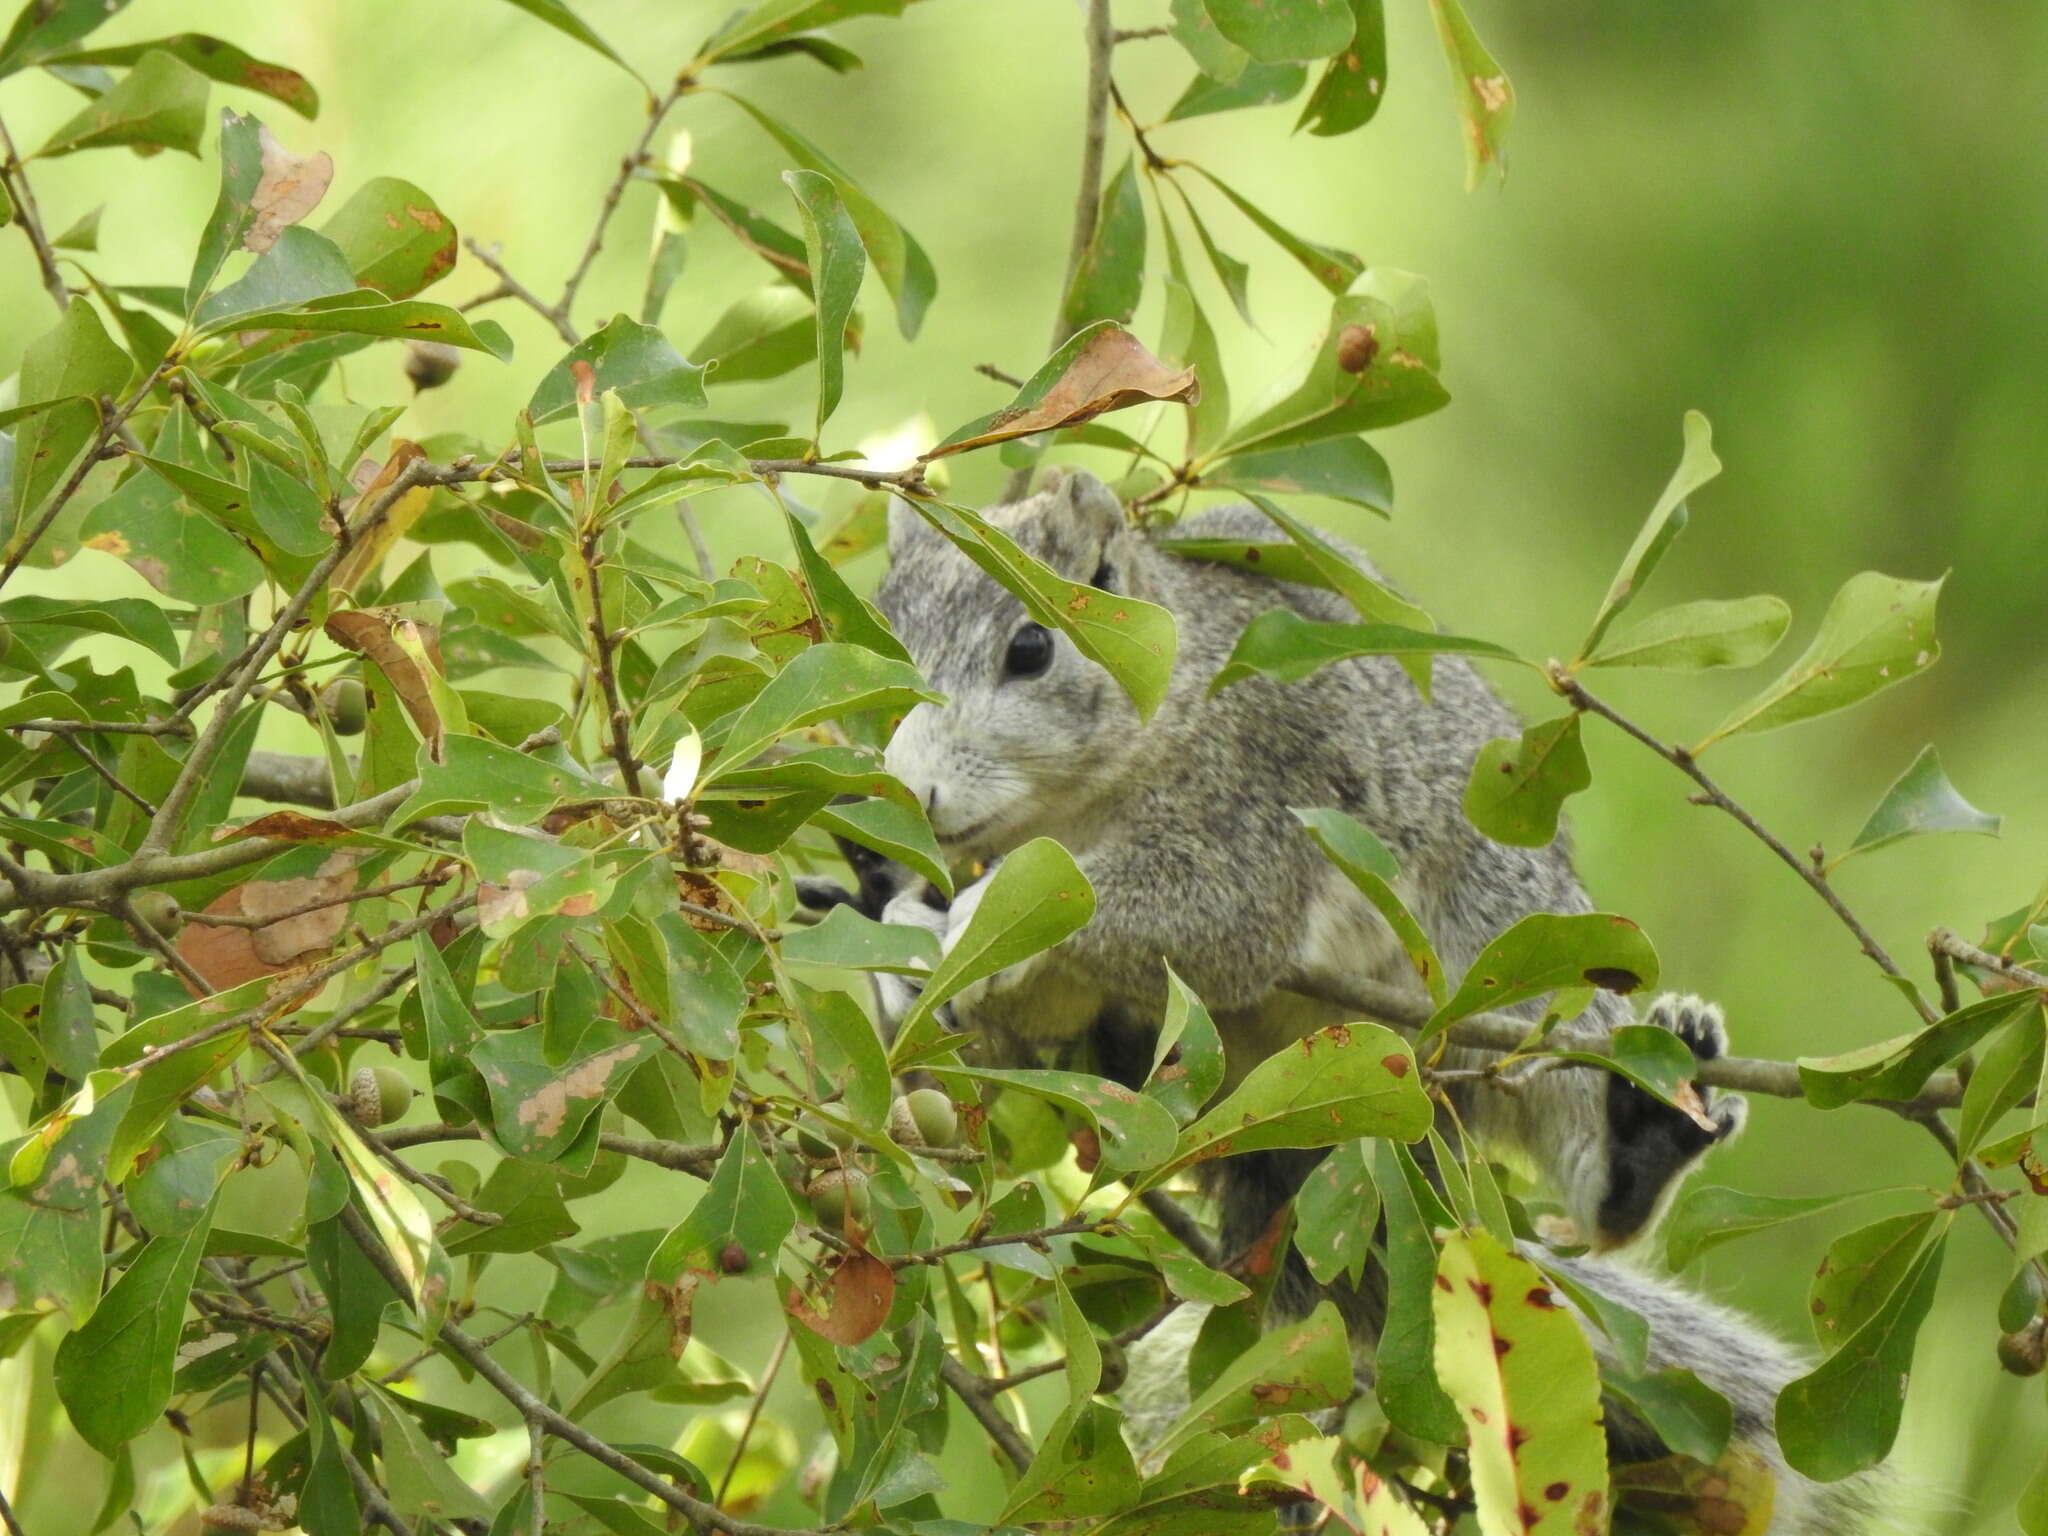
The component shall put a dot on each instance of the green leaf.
(361, 312)
(1520, 783)
(1111, 276)
(1338, 1208)
(744, 1205)
(43, 28)
(752, 32)
(1286, 647)
(820, 683)
(1036, 897)
(1861, 1269)
(899, 260)
(1283, 29)
(892, 829)
(1214, 54)
(1354, 82)
(1187, 341)
(538, 1106)
(1257, 85)
(1133, 641)
(1187, 1059)
(181, 552)
(234, 214)
(1520, 1370)
(1136, 1131)
(1920, 801)
(1694, 637)
(1375, 367)
(832, 245)
(1083, 1466)
(847, 939)
(1706, 1216)
(1547, 951)
(761, 336)
(1843, 1416)
(76, 362)
(1898, 1068)
(50, 1225)
(1406, 1358)
(634, 359)
(65, 1029)
(159, 104)
(1347, 843)
(1486, 97)
(82, 235)
(1879, 630)
(114, 1374)
(393, 237)
(217, 60)
(1347, 469)
(1343, 1081)
(482, 775)
(1334, 268)
(301, 266)
(1696, 466)
(1298, 1369)
(557, 14)
(2006, 1073)
(1687, 1414)
(418, 1477)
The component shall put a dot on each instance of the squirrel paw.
(1699, 1024)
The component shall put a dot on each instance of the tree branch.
(14, 177)
(1094, 128)
(631, 163)
(974, 1391)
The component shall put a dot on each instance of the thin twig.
(682, 1157)
(1101, 40)
(533, 1410)
(14, 177)
(739, 1449)
(1712, 794)
(991, 371)
(1183, 1228)
(1947, 943)
(509, 287)
(634, 159)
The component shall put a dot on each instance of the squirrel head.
(1029, 724)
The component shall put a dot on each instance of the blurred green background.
(1823, 226)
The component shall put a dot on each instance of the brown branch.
(1139, 34)
(1712, 794)
(974, 1391)
(634, 159)
(991, 371)
(368, 893)
(1182, 1227)
(534, 1411)
(1094, 129)
(106, 727)
(110, 427)
(682, 1157)
(618, 724)
(768, 1374)
(1948, 944)
(509, 287)
(14, 177)
(1502, 1033)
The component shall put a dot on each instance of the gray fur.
(1184, 827)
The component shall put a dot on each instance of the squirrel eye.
(1029, 653)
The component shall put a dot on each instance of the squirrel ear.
(1083, 515)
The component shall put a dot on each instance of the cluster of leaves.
(538, 897)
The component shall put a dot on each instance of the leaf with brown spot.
(287, 189)
(1732, 1497)
(1332, 1086)
(395, 238)
(1546, 951)
(1100, 369)
(538, 1107)
(1534, 1406)
(863, 1289)
(289, 826)
(1297, 1370)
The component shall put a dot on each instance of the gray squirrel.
(1184, 827)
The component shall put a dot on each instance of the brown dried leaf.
(373, 543)
(374, 633)
(1108, 371)
(287, 190)
(291, 826)
(226, 957)
(863, 1290)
